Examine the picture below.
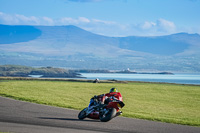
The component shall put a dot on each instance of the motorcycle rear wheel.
(82, 114)
(108, 116)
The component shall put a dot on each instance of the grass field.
(171, 103)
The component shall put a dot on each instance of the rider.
(105, 98)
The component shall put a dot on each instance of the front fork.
(89, 110)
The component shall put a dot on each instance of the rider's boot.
(119, 113)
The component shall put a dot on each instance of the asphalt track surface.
(23, 117)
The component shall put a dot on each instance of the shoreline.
(89, 80)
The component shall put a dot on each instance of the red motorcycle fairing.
(94, 115)
(113, 105)
(104, 112)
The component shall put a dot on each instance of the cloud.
(102, 21)
(84, 20)
(67, 20)
(165, 25)
(18, 19)
(102, 27)
(48, 20)
(148, 25)
(159, 27)
(72, 21)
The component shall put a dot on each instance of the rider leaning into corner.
(106, 98)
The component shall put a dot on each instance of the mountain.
(72, 47)
(14, 34)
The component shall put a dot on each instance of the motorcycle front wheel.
(109, 115)
(82, 114)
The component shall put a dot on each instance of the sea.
(178, 78)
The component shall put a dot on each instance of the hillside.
(73, 47)
(24, 71)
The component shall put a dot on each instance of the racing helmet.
(113, 90)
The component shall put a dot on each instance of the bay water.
(179, 78)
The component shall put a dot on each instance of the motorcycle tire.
(106, 117)
(82, 114)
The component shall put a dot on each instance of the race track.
(23, 117)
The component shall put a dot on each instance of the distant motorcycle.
(104, 112)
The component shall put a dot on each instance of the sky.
(117, 18)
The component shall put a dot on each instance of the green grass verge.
(170, 103)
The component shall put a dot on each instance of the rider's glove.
(102, 95)
(95, 96)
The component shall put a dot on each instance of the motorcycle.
(104, 112)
